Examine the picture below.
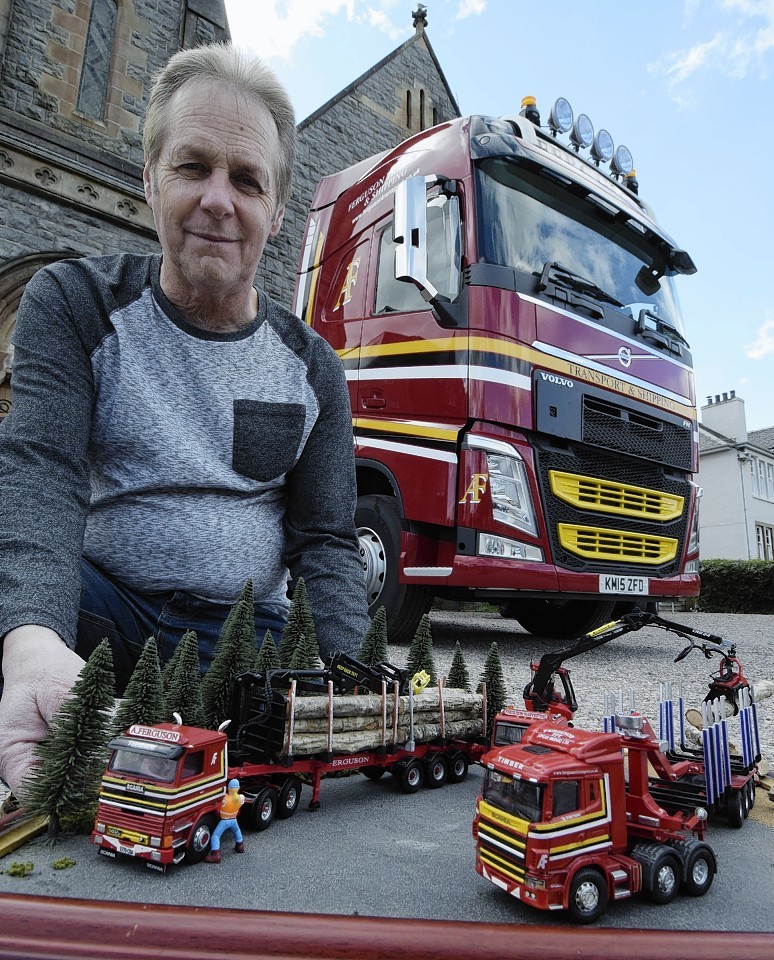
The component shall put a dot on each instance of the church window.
(96, 58)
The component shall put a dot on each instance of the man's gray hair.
(224, 63)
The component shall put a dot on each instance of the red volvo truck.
(521, 385)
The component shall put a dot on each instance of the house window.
(764, 534)
(762, 478)
(96, 58)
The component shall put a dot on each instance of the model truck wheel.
(666, 878)
(373, 773)
(436, 771)
(264, 808)
(411, 776)
(458, 767)
(379, 528)
(588, 896)
(559, 619)
(199, 841)
(289, 797)
(700, 872)
(735, 809)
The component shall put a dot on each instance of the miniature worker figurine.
(230, 806)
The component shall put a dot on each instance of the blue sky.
(685, 84)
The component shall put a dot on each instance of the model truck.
(521, 386)
(566, 821)
(163, 784)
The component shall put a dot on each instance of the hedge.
(736, 586)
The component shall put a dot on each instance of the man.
(230, 806)
(173, 432)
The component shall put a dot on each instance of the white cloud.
(469, 8)
(764, 344)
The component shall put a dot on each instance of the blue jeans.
(127, 618)
(220, 829)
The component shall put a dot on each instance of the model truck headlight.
(511, 502)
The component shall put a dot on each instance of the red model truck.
(566, 821)
(521, 387)
(162, 788)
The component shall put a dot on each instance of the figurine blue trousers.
(223, 825)
(127, 618)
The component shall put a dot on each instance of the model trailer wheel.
(373, 773)
(199, 841)
(700, 871)
(666, 878)
(735, 809)
(436, 771)
(588, 896)
(411, 776)
(379, 529)
(559, 619)
(289, 797)
(458, 767)
(264, 808)
(751, 791)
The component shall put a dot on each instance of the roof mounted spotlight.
(582, 133)
(560, 119)
(602, 147)
(622, 163)
(529, 110)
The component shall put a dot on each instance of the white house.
(736, 473)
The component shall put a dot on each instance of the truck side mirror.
(410, 234)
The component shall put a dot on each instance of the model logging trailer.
(163, 784)
(682, 777)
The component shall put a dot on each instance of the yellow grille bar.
(598, 543)
(607, 496)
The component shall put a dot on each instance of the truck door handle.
(373, 402)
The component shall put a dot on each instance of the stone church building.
(75, 77)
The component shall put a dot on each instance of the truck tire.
(436, 771)
(264, 808)
(559, 619)
(199, 840)
(666, 878)
(700, 871)
(588, 896)
(289, 797)
(411, 776)
(379, 528)
(373, 773)
(751, 791)
(735, 809)
(458, 767)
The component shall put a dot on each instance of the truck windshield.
(527, 220)
(520, 797)
(145, 764)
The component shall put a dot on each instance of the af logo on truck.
(521, 387)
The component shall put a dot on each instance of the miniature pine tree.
(306, 654)
(373, 649)
(143, 700)
(268, 655)
(168, 670)
(234, 654)
(458, 672)
(299, 623)
(66, 781)
(496, 694)
(420, 655)
(185, 690)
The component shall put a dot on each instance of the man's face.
(213, 192)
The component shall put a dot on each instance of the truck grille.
(607, 496)
(599, 543)
(616, 427)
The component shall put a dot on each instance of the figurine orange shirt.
(230, 806)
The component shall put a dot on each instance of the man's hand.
(39, 671)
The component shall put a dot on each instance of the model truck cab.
(565, 822)
(521, 388)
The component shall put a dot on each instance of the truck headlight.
(509, 492)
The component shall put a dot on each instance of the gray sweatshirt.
(171, 457)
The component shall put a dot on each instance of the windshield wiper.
(554, 272)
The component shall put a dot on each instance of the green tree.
(66, 780)
(496, 694)
(305, 656)
(300, 623)
(169, 669)
(268, 655)
(420, 655)
(143, 700)
(373, 649)
(234, 654)
(185, 690)
(458, 672)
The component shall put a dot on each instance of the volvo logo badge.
(625, 356)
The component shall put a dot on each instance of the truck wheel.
(735, 809)
(458, 767)
(751, 791)
(264, 808)
(378, 525)
(436, 771)
(289, 796)
(700, 871)
(199, 841)
(666, 878)
(411, 776)
(588, 896)
(559, 619)
(373, 773)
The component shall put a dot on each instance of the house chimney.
(725, 415)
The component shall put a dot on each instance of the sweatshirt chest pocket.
(267, 437)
